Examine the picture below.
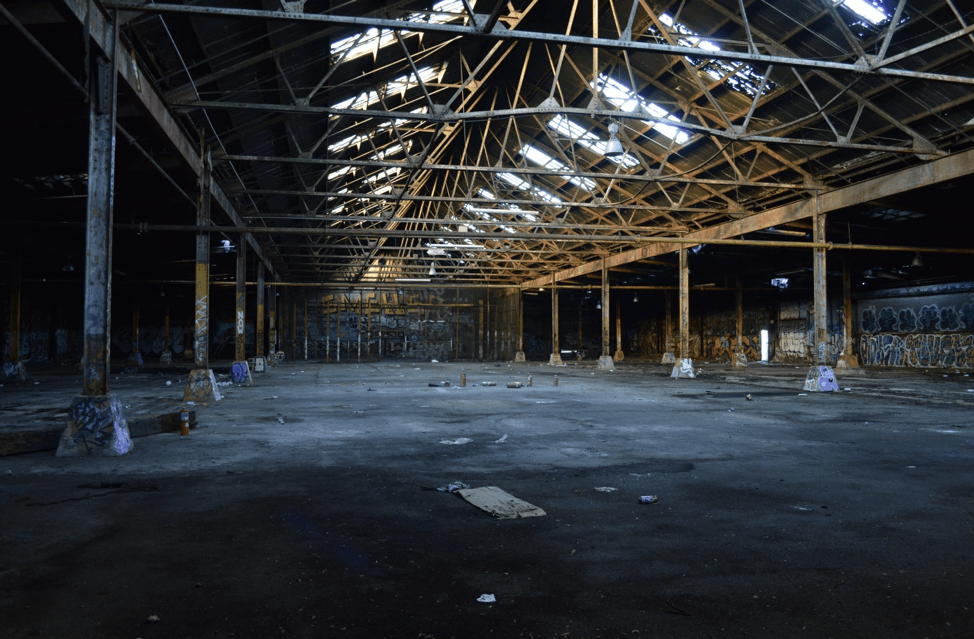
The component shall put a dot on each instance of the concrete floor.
(787, 515)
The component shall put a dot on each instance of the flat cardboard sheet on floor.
(500, 504)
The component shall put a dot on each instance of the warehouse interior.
(330, 253)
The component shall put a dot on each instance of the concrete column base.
(848, 365)
(260, 365)
(15, 371)
(134, 363)
(619, 355)
(555, 360)
(821, 379)
(166, 357)
(95, 426)
(240, 373)
(201, 386)
(739, 360)
(684, 369)
(519, 357)
(606, 363)
(668, 358)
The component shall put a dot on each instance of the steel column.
(684, 305)
(848, 363)
(820, 297)
(605, 361)
(618, 356)
(259, 320)
(16, 261)
(555, 359)
(480, 336)
(240, 354)
(738, 358)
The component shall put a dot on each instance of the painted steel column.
(605, 361)
(480, 336)
(272, 325)
(738, 358)
(519, 356)
(684, 367)
(260, 360)
(820, 303)
(14, 368)
(618, 355)
(848, 363)
(328, 337)
(359, 331)
(166, 356)
(669, 357)
(306, 328)
(135, 358)
(201, 383)
(555, 359)
(240, 369)
(95, 422)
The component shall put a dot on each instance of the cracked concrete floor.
(845, 515)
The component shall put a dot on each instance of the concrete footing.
(684, 369)
(606, 363)
(821, 379)
(95, 426)
(519, 357)
(134, 361)
(240, 373)
(739, 360)
(555, 360)
(848, 365)
(201, 386)
(15, 371)
(668, 358)
(166, 357)
(260, 365)
(618, 355)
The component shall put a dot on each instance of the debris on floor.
(439, 383)
(500, 504)
(501, 440)
(649, 499)
(514, 384)
(452, 487)
(280, 419)
(605, 489)
(456, 442)
(486, 598)
(488, 383)
(748, 397)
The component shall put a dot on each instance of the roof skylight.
(523, 185)
(538, 156)
(579, 134)
(740, 77)
(372, 40)
(625, 99)
(399, 85)
(871, 12)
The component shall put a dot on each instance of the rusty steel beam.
(926, 174)
(500, 33)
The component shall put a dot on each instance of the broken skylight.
(579, 134)
(400, 85)
(625, 99)
(871, 12)
(538, 156)
(740, 77)
(523, 185)
(370, 41)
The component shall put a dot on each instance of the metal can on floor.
(648, 499)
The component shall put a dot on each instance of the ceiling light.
(918, 261)
(433, 269)
(613, 147)
(635, 297)
(68, 266)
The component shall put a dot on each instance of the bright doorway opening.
(764, 345)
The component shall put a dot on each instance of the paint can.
(184, 422)
(530, 380)
(648, 499)
(463, 380)
(555, 383)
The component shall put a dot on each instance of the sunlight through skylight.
(577, 133)
(624, 99)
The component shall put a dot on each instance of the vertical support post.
(306, 327)
(338, 330)
(14, 369)
(240, 369)
(820, 376)
(820, 303)
(368, 334)
(685, 366)
(519, 356)
(317, 323)
(488, 326)
(294, 330)
(328, 338)
(260, 361)
(456, 324)
(272, 325)
(669, 357)
(135, 357)
(359, 328)
(166, 356)
(619, 355)
(555, 359)
(480, 337)
(201, 384)
(605, 361)
(739, 359)
(848, 362)
(95, 422)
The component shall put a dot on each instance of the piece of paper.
(500, 504)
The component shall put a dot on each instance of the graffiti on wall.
(929, 317)
(918, 350)
(724, 347)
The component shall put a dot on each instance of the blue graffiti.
(929, 318)
(868, 320)
(887, 319)
(907, 320)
